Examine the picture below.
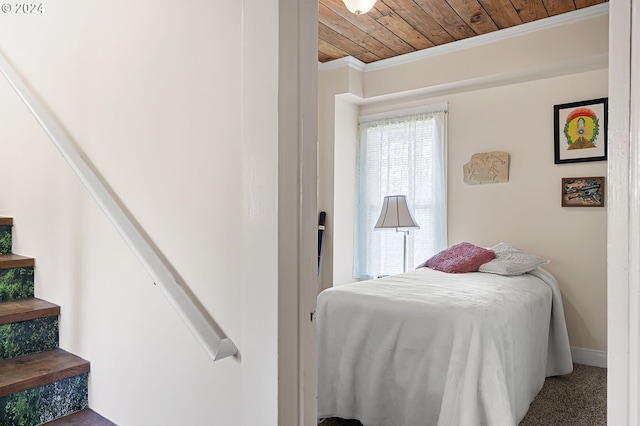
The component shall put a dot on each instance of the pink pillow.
(460, 258)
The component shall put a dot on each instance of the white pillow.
(511, 260)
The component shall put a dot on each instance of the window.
(400, 156)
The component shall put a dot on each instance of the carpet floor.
(577, 399)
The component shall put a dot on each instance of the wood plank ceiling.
(396, 27)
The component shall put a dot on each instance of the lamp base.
(405, 233)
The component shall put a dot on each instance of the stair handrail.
(214, 341)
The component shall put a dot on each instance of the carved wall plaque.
(487, 167)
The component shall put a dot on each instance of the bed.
(433, 348)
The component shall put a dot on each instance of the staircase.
(39, 382)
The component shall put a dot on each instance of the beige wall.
(185, 131)
(506, 105)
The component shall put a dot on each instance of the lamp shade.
(359, 6)
(395, 213)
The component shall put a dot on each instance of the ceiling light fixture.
(359, 7)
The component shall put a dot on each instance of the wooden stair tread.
(86, 417)
(15, 261)
(30, 371)
(6, 221)
(26, 309)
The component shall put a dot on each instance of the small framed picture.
(581, 131)
(583, 192)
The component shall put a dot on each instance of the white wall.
(337, 129)
(526, 211)
(176, 105)
(344, 189)
(505, 102)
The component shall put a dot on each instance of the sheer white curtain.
(400, 156)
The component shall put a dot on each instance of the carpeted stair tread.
(85, 417)
(15, 261)
(6, 221)
(30, 371)
(26, 309)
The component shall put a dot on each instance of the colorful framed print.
(581, 131)
(583, 192)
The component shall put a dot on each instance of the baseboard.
(589, 357)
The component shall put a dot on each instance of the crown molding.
(528, 28)
(347, 61)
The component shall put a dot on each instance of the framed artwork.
(581, 131)
(583, 192)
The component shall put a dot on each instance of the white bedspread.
(429, 348)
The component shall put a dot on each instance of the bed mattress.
(431, 348)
